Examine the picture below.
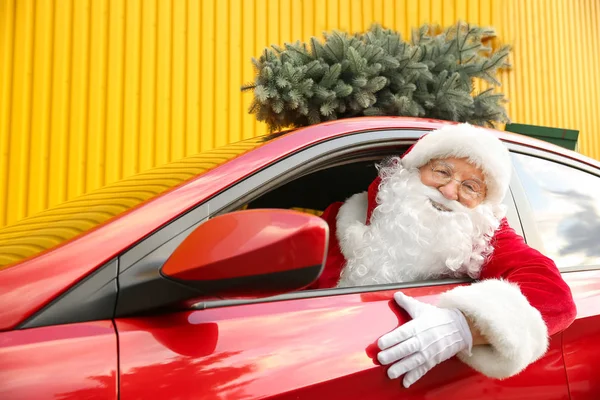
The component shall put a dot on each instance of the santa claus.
(437, 212)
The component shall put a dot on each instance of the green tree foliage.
(378, 73)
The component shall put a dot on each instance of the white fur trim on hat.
(515, 330)
(479, 146)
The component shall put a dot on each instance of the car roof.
(63, 244)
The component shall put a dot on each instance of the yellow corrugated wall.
(92, 91)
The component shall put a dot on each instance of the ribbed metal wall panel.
(92, 91)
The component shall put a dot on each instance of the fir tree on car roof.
(379, 73)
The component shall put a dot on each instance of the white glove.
(434, 335)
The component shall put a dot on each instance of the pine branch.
(248, 86)
(375, 84)
(356, 62)
(304, 56)
(317, 48)
(331, 76)
(313, 69)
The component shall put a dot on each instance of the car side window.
(565, 205)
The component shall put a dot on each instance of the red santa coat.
(519, 300)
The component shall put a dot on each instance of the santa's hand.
(434, 335)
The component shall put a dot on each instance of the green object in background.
(566, 138)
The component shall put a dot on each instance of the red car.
(184, 282)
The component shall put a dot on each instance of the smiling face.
(427, 224)
(457, 179)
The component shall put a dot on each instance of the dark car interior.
(319, 189)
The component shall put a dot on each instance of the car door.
(311, 344)
(70, 361)
(69, 348)
(560, 208)
(322, 346)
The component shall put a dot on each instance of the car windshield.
(58, 224)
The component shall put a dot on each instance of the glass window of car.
(565, 205)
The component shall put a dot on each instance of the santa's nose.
(450, 190)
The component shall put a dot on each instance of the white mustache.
(437, 197)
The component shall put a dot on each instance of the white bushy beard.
(408, 239)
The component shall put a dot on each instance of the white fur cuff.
(516, 331)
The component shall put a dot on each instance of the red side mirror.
(253, 253)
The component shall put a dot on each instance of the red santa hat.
(480, 146)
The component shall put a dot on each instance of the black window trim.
(205, 305)
(93, 298)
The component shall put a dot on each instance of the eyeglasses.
(469, 189)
